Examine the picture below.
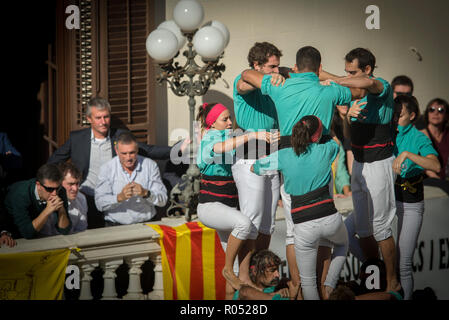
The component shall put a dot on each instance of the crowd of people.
(307, 136)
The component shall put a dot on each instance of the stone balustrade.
(109, 248)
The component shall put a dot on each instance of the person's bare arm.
(324, 75)
(235, 142)
(255, 78)
(430, 162)
(250, 293)
(363, 82)
(244, 87)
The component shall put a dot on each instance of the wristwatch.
(147, 195)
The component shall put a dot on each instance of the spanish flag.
(192, 261)
(33, 275)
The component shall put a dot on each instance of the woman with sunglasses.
(218, 197)
(414, 153)
(436, 118)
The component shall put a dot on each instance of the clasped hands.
(132, 189)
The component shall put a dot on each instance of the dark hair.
(308, 58)
(260, 261)
(302, 133)
(203, 112)
(68, 167)
(409, 102)
(49, 172)
(364, 57)
(285, 72)
(260, 53)
(126, 137)
(440, 102)
(402, 80)
(342, 292)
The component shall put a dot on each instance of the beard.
(274, 282)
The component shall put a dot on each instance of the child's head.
(214, 115)
(307, 130)
(406, 110)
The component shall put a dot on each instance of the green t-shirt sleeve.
(268, 89)
(386, 90)
(342, 94)
(269, 163)
(425, 146)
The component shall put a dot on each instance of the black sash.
(371, 142)
(313, 205)
(218, 189)
(410, 190)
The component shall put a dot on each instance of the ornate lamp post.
(191, 79)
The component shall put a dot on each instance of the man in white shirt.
(77, 204)
(129, 186)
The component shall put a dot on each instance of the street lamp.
(163, 45)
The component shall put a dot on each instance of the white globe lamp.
(208, 42)
(188, 15)
(220, 26)
(162, 45)
(171, 25)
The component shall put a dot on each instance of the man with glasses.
(76, 201)
(402, 85)
(31, 203)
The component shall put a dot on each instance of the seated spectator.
(264, 273)
(436, 118)
(129, 186)
(76, 200)
(402, 85)
(32, 202)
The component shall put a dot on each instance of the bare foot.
(231, 278)
(394, 286)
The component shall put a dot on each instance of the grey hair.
(98, 103)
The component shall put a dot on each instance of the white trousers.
(373, 198)
(307, 239)
(258, 195)
(410, 217)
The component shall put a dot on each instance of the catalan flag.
(192, 261)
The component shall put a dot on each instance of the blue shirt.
(380, 106)
(111, 181)
(412, 140)
(211, 163)
(302, 95)
(254, 111)
(304, 173)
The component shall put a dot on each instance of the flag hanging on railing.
(192, 261)
(33, 275)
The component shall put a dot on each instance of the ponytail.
(307, 130)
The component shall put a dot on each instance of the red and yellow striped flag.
(192, 261)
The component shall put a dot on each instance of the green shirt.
(22, 205)
(304, 173)
(302, 95)
(380, 106)
(254, 111)
(412, 140)
(211, 163)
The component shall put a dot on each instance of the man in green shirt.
(31, 202)
(372, 173)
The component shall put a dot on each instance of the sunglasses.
(50, 189)
(433, 109)
(403, 93)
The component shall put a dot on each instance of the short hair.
(308, 58)
(68, 167)
(364, 57)
(260, 261)
(409, 102)
(440, 102)
(98, 103)
(49, 172)
(402, 80)
(342, 292)
(260, 53)
(126, 137)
